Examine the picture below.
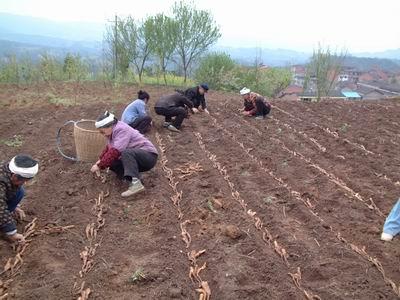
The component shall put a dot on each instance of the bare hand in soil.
(206, 111)
(95, 169)
(195, 110)
(20, 214)
(17, 238)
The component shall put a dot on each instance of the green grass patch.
(51, 98)
(15, 142)
(137, 276)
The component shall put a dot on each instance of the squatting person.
(135, 114)
(13, 176)
(254, 104)
(173, 106)
(127, 152)
(197, 96)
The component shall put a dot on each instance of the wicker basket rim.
(83, 129)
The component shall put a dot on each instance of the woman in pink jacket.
(127, 152)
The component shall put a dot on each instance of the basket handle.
(58, 142)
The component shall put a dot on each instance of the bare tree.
(143, 48)
(322, 71)
(121, 39)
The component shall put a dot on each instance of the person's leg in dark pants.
(118, 168)
(163, 112)
(12, 205)
(180, 114)
(267, 109)
(135, 161)
(142, 124)
(262, 109)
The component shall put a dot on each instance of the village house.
(349, 74)
(292, 92)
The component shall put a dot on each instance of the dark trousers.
(142, 124)
(132, 162)
(262, 109)
(180, 113)
(13, 203)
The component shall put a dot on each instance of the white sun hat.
(244, 91)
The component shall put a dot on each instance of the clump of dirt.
(231, 231)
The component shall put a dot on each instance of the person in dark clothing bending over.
(135, 114)
(196, 95)
(254, 104)
(13, 176)
(127, 152)
(174, 105)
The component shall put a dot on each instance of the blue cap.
(204, 86)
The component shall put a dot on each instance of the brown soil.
(286, 208)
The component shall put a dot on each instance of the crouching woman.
(127, 152)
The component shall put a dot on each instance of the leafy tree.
(276, 80)
(28, 70)
(129, 45)
(268, 81)
(69, 65)
(75, 68)
(162, 34)
(196, 33)
(9, 70)
(49, 68)
(217, 69)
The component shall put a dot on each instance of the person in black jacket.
(196, 95)
(174, 105)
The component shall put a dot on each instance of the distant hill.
(35, 50)
(77, 31)
(368, 63)
(31, 36)
(270, 57)
(283, 57)
(390, 54)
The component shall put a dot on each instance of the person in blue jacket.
(392, 223)
(135, 114)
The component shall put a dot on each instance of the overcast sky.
(358, 26)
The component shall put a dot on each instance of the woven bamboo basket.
(89, 142)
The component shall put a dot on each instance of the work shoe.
(166, 124)
(173, 128)
(386, 237)
(134, 188)
(259, 118)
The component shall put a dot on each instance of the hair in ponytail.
(143, 95)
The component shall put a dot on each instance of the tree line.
(157, 46)
(160, 41)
